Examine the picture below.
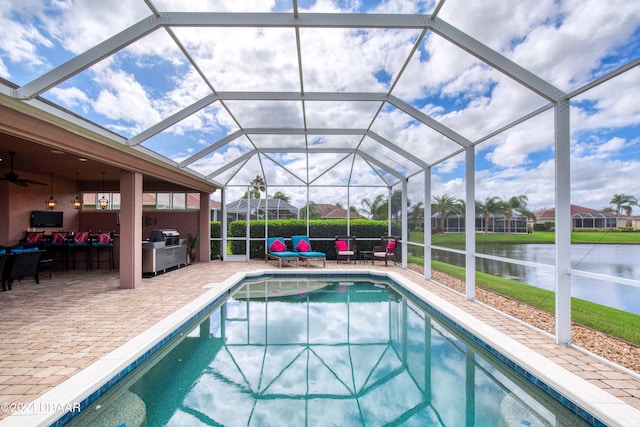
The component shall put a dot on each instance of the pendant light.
(51, 203)
(76, 203)
(103, 201)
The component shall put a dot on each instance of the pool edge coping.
(602, 405)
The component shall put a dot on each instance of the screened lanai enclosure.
(351, 102)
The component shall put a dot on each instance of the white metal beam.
(173, 119)
(496, 60)
(563, 223)
(470, 223)
(428, 121)
(87, 59)
(200, 154)
(397, 149)
(380, 165)
(238, 160)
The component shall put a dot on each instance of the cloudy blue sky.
(567, 43)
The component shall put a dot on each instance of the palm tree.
(490, 206)
(313, 211)
(445, 205)
(516, 204)
(396, 204)
(257, 186)
(376, 209)
(624, 203)
(417, 214)
(281, 196)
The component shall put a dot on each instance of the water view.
(614, 260)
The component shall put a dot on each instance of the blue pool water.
(345, 352)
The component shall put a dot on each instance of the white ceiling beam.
(173, 119)
(381, 165)
(218, 144)
(298, 96)
(87, 59)
(301, 131)
(430, 122)
(496, 60)
(306, 150)
(245, 157)
(302, 20)
(403, 153)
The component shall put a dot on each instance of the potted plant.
(192, 245)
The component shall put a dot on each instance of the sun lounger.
(277, 250)
(302, 246)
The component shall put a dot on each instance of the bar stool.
(58, 243)
(104, 242)
(81, 242)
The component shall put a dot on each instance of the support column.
(563, 223)
(130, 229)
(223, 224)
(204, 228)
(427, 223)
(470, 223)
(405, 229)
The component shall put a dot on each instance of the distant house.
(335, 212)
(581, 217)
(257, 208)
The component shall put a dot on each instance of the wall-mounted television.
(41, 219)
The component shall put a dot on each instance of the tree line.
(445, 205)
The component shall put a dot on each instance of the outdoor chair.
(4, 269)
(80, 243)
(302, 246)
(385, 250)
(58, 244)
(277, 250)
(104, 243)
(23, 263)
(346, 249)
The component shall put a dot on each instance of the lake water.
(614, 260)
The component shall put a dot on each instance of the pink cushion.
(303, 246)
(104, 239)
(342, 246)
(58, 238)
(391, 245)
(278, 246)
(35, 237)
(81, 238)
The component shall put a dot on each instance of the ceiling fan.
(13, 178)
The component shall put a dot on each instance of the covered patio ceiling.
(328, 94)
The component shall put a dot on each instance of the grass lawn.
(617, 323)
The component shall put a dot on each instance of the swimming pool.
(115, 372)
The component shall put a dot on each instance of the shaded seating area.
(18, 264)
(346, 249)
(385, 250)
(277, 250)
(302, 246)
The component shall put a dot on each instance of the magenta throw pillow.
(277, 246)
(341, 245)
(391, 245)
(58, 238)
(303, 246)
